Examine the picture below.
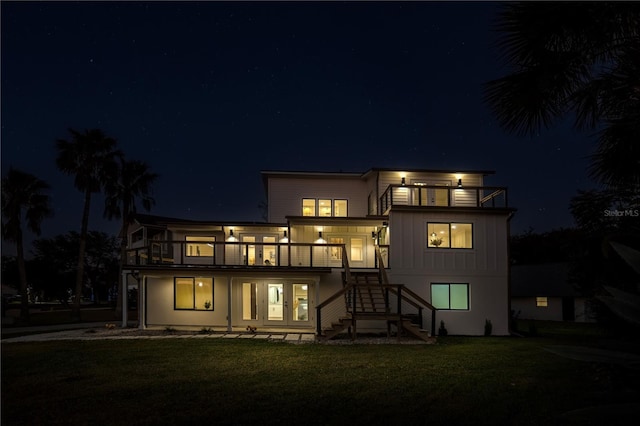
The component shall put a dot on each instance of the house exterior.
(384, 250)
(543, 292)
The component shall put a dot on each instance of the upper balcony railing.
(443, 196)
(241, 254)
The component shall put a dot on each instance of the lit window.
(450, 296)
(450, 235)
(340, 208)
(200, 249)
(542, 302)
(336, 251)
(357, 252)
(324, 207)
(308, 207)
(193, 293)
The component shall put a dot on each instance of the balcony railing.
(443, 196)
(241, 254)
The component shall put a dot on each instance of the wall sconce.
(373, 235)
(285, 234)
(385, 224)
(231, 233)
(402, 182)
(459, 183)
(320, 234)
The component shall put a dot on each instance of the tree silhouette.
(23, 197)
(89, 156)
(134, 182)
(574, 58)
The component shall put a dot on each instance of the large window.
(324, 207)
(199, 249)
(450, 296)
(193, 293)
(450, 235)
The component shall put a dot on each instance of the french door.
(275, 303)
(260, 254)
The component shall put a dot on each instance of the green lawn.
(480, 381)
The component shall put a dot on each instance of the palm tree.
(91, 157)
(134, 182)
(574, 58)
(22, 196)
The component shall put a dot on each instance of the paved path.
(97, 331)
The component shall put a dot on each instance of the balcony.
(241, 254)
(488, 197)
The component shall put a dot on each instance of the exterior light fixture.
(385, 224)
(320, 234)
(231, 232)
(285, 234)
(459, 183)
(403, 182)
(373, 235)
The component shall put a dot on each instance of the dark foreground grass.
(480, 381)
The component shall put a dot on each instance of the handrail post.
(399, 300)
(433, 322)
(319, 321)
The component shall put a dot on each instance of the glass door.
(260, 254)
(287, 304)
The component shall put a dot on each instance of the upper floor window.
(324, 207)
(199, 249)
(450, 235)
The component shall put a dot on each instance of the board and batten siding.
(409, 243)
(286, 194)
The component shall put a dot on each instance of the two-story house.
(384, 250)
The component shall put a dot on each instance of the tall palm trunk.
(22, 271)
(122, 286)
(75, 312)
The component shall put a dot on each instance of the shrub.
(442, 331)
(488, 327)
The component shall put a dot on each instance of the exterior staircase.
(366, 297)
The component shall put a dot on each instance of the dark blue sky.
(210, 93)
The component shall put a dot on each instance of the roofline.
(373, 169)
(161, 220)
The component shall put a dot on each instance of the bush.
(488, 327)
(442, 331)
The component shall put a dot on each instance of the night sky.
(210, 94)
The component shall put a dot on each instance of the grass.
(461, 380)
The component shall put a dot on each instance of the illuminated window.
(542, 302)
(326, 207)
(336, 251)
(450, 235)
(200, 249)
(357, 251)
(340, 208)
(308, 207)
(453, 297)
(193, 293)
